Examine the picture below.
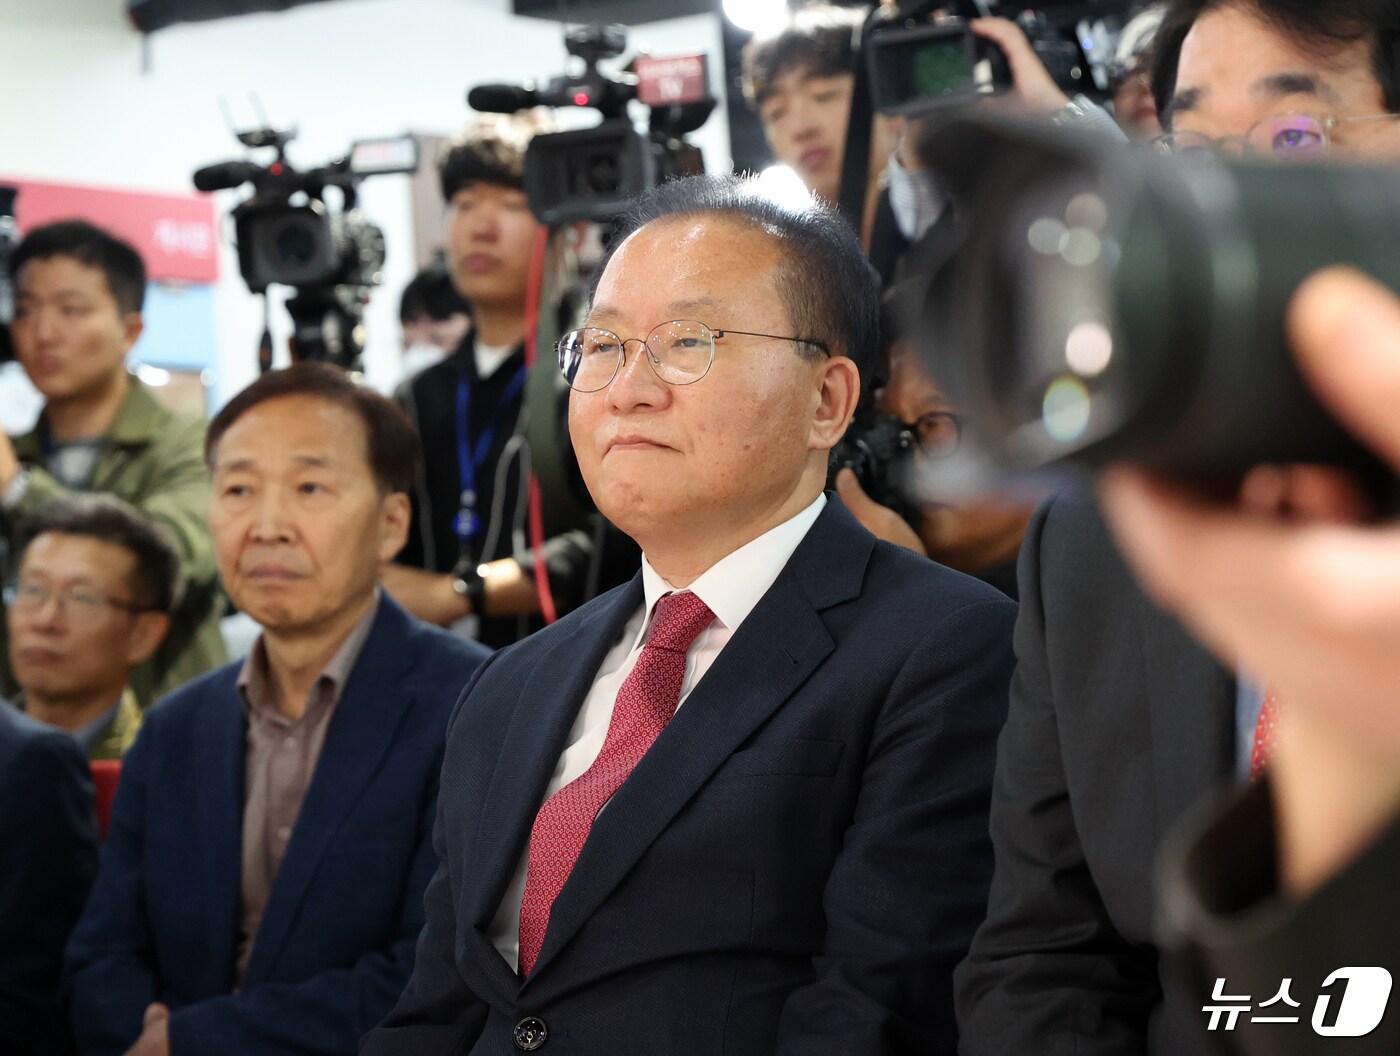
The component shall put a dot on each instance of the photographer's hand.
(881, 521)
(1305, 594)
(1034, 87)
(9, 462)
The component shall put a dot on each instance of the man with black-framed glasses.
(1120, 721)
(738, 804)
(92, 599)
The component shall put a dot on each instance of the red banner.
(176, 234)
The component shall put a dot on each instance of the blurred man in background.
(78, 298)
(1120, 720)
(92, 601)
(434, 318)
(799, 79)
(461, 566)
(261, 886)
(979, 536)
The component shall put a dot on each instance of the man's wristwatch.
(468, 583)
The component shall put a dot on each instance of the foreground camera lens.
(1107, 304)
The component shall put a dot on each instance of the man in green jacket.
(78, 298)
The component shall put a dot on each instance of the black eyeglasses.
(939, 433)
(679, 352)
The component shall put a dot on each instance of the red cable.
(533, 289)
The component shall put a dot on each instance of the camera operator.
(79, 293)
(981, 538)
(1120, 720)
(799, 80)
(1294, 875)
(459, 562)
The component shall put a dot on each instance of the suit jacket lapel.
(222, 745)
(785, 639)
(545, 711)
(1191, 708)
(361, 731)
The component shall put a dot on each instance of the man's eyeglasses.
(1284, 137)
(939, 433)
(679, 352)
(81, 603)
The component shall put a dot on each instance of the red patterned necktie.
(1264, 731)
(645, 703)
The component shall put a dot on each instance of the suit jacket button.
(530, 1034)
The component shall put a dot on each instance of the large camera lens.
(294, 244)
(290, 244)
(1108, 304)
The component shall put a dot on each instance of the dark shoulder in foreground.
(21, 736)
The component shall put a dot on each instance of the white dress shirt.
(731, 588)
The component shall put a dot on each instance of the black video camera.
(9, 239)
(288, 233)
(916, 65)
(592, 173)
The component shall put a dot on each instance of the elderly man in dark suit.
(262, 882)
(739, 804)
(48, 844)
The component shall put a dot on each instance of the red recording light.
(275, 168)
(580, 98)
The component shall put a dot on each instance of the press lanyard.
(466, 525)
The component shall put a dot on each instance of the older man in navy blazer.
(262, 882)
(738, 805)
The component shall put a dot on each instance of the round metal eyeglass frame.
(1322, 126)
(570, 356)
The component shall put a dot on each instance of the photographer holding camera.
(1120, 719)
(1294, 875)
(459, 561)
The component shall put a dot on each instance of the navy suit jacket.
(335, 945)
(48, 857)
(795, 866)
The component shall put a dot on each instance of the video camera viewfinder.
(916, 68)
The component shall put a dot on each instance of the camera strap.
(544, 421)
(471, 458)
(855, 163)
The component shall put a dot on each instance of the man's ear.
(147, 632)
(134, 325)
(396, 512)
(837, 396)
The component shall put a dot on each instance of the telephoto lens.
(1105, 303)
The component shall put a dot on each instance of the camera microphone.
(225, 175)
(502, 98)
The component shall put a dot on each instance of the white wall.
(80, 102)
